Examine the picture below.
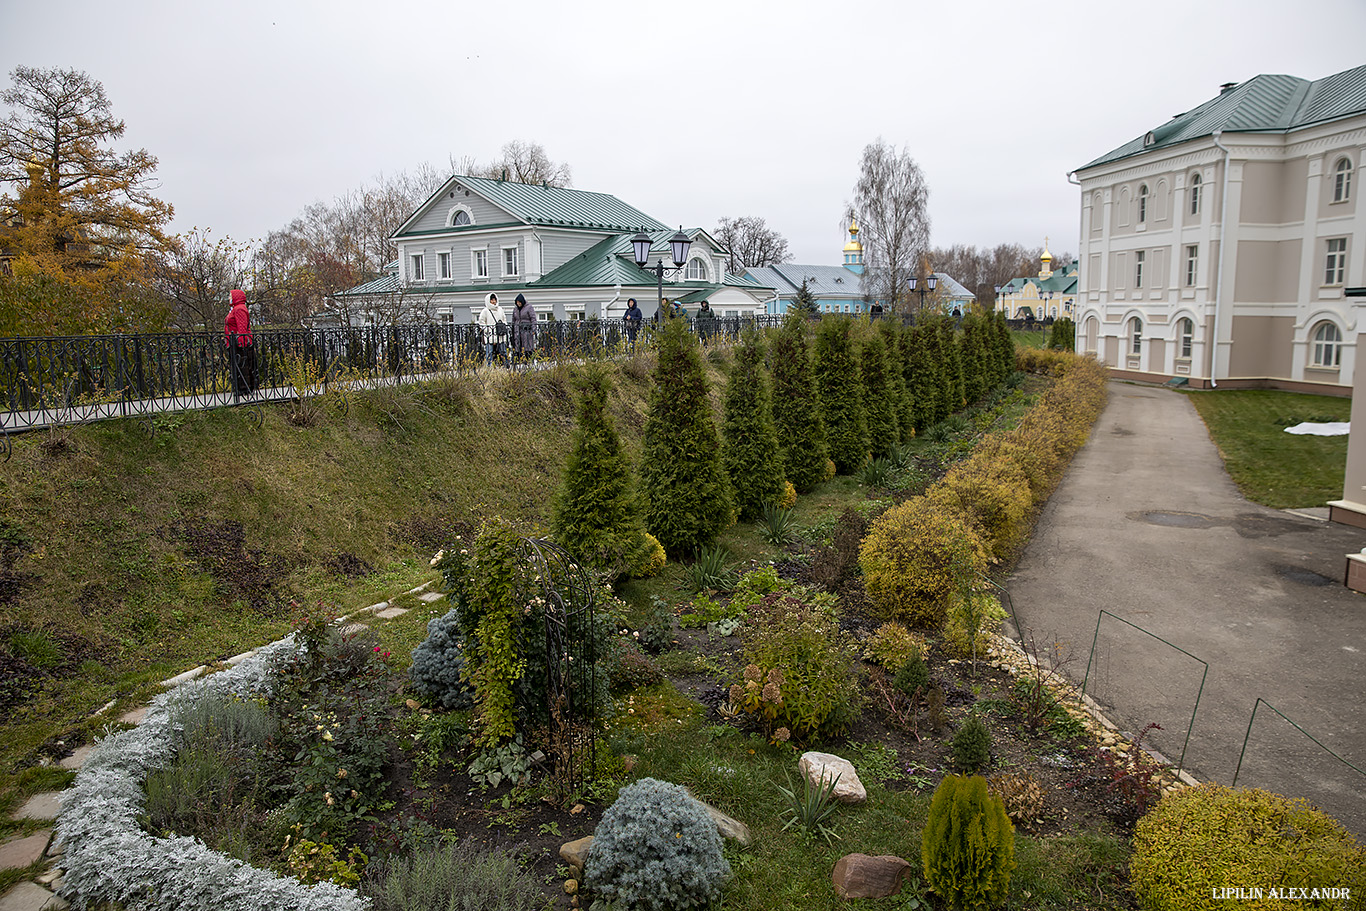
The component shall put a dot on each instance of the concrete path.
(1148, 526)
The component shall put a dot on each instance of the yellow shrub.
(789, 497)
(993, 495)
(893, 645)
(970, 624)
(915, 558)
(652, 560)
(829, 470)
(1200, 840)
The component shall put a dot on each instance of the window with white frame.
(415, 270)
(1342, 180)
(1140, 257)
(510, 264)
(1135, 336)
(1186, 332)
(1196, 187)
(443, 265)
(479, 265)
(1192, 263)
(1336, 264)
(697, 270)
(461, 219)
(1327, 345)
(1142, 203)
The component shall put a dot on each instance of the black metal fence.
(78, 379)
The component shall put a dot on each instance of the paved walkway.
(1148, 526)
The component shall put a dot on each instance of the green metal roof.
(560, 206)
(1263, 104)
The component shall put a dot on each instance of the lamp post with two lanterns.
(931, 281)
(678, 244)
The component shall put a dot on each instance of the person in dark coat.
(523, 329)
(633, 319)
(241, 346)
(706, 322)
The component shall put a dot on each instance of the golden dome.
(1047, 257)
(853, 246)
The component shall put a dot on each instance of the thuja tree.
(953, 365)
(878, 405)
(837, 390)
(1004, 346)
(978, 369)
(1063, 335)
(686, 493)
(595, 515)
(750, 451)
(923, 368)
(891, 334)
(801, 433)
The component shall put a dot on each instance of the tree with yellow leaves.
(75, 213)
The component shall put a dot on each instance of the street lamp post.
(930, 281)
(679, 244)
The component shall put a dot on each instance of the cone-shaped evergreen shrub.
(1004, 346)
(751, 453)
(892, 337)
(877, 398)
(683, 484)
(953, 366)
(968, 845)
(837, 390)
(801, 434)
(978, 373)
(916, 558)
(596, 517)
(1063, 335)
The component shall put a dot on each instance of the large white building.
(1219, 246)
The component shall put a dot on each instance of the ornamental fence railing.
(80, 379)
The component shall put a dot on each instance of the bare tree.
(196, 276)
(521, 162)
(751, 243)
(891, 204)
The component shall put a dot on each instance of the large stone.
(31, 897)
(865, 876)
(729, 827)
(40, 806)
(576, 852)
(19, 853)
(821, 768)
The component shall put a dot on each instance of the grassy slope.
(1270, 466)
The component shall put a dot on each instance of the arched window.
(697, 270)
(1097, 212)
(1196, 187)
(1135, 336)
(460, 218)
(1186, 331)
(1091, 332)
(1342, 180)
(1327, 345)
(1142, 203)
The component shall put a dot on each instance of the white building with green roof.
(568, 251)
(1219, 247)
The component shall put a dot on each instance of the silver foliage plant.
(108, 857)
(656, 849)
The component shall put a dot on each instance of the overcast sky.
(746, 107)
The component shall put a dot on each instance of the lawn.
(1277, 469)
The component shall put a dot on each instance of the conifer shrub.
(973, 618)
(595, 516)
(953, 365)
(923, 376)
(915, 558)
(836, 370)
(650, 559)
(752, 458)
(968, 844)
(788, 499)
(971, 745)
(878, 403)
(796, 418)
(902, 407)
(994, 496)
(437, 671)
(656, 849)
(892, 645)
(685, 489)
(913, 676)
(796, 632)
(1063, 335)
(1199, 840)
(978, 372)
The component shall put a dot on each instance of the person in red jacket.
(241, 349)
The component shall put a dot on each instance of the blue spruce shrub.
(656, 849)
(438, 663)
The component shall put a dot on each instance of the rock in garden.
(865, 876)
(820, 768)
(576, 852)
(726, 826)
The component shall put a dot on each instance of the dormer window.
(697, 270)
